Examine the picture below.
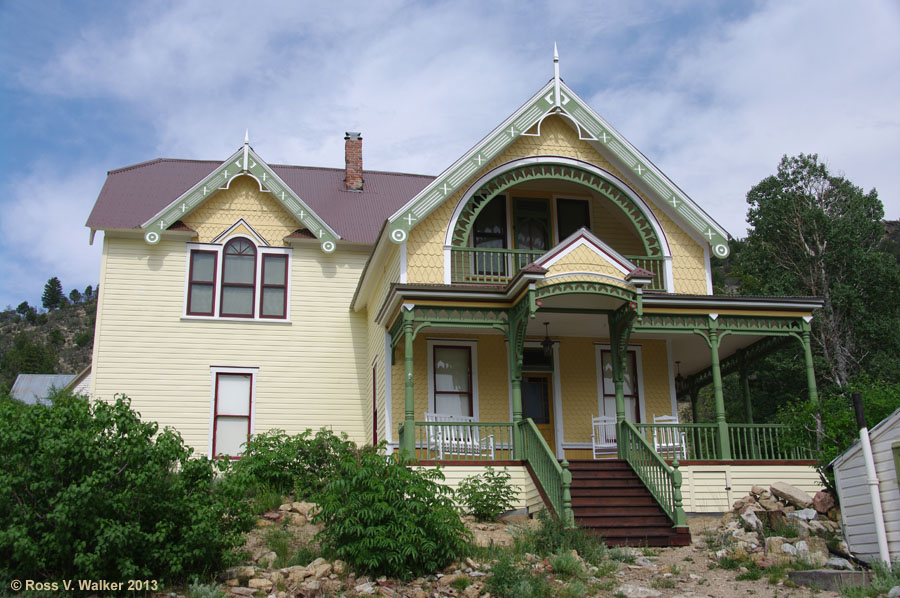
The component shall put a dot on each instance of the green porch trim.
(741, 359)
(589, 287)
(557, 98)
(245, 161)
(621, 325)
(562, 172)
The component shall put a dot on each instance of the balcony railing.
(477, 265)
(699, 442)
(463, 441)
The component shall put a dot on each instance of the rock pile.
(782, 524)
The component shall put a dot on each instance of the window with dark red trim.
(231, 418)
(202, 283)
(238, 279)
(273, 293)
(453, 380)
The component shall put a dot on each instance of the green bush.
(83, 338)
(89, 491)
(553, 537)
(275, 462)
(508, 580)
(384, 518)
(488, 495)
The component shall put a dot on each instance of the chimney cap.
(353, 135)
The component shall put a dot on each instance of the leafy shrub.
(488, 495)
(566, 566)
(553, 537)
(508, 580)
(384, 518)
(89, 491)
(302, 464)
(204, 590)
(83, 338)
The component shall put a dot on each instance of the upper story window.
(238, 280)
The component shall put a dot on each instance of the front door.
(537, 403)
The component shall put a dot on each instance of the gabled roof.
(33, 389)
(882, 426)
(585, 238)
(133, 195)
(557, 98)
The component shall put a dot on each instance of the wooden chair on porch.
(603, 435)
(669, 442)
(457, 440)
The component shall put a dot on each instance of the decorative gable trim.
(241, 222)
(245, 161)
(584, 238)
(557, 98)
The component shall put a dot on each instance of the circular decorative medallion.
(398, 235)
(721, 250)
(152, 237)
(328, 246)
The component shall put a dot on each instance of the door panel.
(537, 403)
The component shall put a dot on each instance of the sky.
(714, 93)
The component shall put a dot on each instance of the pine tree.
(74, 296)
(53, 293)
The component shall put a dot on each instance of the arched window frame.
(241, 285)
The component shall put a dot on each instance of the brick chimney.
(353, 173)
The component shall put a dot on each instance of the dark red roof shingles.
(134, 194)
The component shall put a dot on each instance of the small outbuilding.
(856, 507)
(32, 389)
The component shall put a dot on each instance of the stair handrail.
(663, 481)
(554, 477)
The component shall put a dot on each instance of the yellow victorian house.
(540, 305)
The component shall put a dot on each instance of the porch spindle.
(409, 435)
(724, 444)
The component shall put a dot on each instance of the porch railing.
(463, 441)
(553, 476)
(663, 481)
(478, 265)
(699, 442)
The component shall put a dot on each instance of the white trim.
(473, 355)
(402, 250)
(578, 446)
(559, 429)
(508, 378)
(670, 275)
(388, 389)
(218, 248)
(584, 242)
(603, 174)
(639, 375)
(673, 396)
(708, 267)
(448, 264)
(254, 398)
(225, 235)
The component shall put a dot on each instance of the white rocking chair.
(465, 441)
(669, 442)
(603, 435)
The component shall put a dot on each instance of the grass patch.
(751, 574)
(663, 583)
(566, 566)
(622, 555)
(460, 583)
(575, 589)
(204, 590)
(554, 537)
(881, 580)
(508, 580)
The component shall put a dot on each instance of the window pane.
(237, 301)
(534, 400)
(452, 404)
(239, 268)
(233, 394)
(203, 266)
(490, 226)
(201, 299)
(274, 268)
(273, 302)
(231, 434)
(451, 369)
(572, 214)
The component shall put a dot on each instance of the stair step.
(632, 510)
(613, 501)
(633, 532)
(605, 465)
(608, 483)
(609, 492)
(619, 522)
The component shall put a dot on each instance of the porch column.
(515, 381)
(621, 323)
(722, 427)
(745, 389)
(409, 426)
(810, 370)
(695, 409)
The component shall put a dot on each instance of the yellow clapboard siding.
(312, 371)
(704, 486)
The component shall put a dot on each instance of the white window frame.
(214, 371)
(574, 197)
(639, 375)
(473, 355)
(218, 249)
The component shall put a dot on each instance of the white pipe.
(875, 496)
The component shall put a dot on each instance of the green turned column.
(810, 371)
(616, 341)
(409, 426)
(515, 376)
(722, 427)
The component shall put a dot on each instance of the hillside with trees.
(54, 338)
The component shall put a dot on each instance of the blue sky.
(713, 92)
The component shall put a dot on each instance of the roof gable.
(557, 98)
(583, 247)
(243, 162)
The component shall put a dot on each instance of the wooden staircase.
(609, 499)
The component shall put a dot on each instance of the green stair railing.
(554, 477)
(663, 481)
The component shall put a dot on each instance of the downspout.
(872, 480)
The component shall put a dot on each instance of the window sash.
(196, 283)
(273, 295)
(456, 400)
(231, 413)
(244, 308)
(571, 215)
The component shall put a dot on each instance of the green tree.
(815, 233)
(74, 296)
(88, 292)
(53, 294)
(26, 357)
(24, 308)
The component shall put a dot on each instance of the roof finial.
(556, 74)
(246, 136)
(246, 148)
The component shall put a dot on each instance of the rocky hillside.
(37, 341)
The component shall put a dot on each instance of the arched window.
(238, 279)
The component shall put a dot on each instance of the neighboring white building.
(856, 506)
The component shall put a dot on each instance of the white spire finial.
(246, 148)
(556, 74)
(246, 136)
